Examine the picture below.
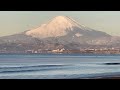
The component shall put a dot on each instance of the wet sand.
(115, 77)
(106, 77)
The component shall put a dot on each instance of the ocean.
(58, 66)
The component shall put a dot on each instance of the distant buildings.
(63, 50)
(29, 51)
(58, 50)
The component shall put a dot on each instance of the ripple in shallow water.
(111, 63)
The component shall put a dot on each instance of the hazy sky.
(12, 22)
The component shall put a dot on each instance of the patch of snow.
(78, 34)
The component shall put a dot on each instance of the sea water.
(57, 66)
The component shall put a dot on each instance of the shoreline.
(113, 75)
(105, 77)
(39, 77)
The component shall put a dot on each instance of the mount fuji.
(66, 30)
(62, 26)
(59, 32)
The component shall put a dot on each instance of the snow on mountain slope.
(66, 30)
(58, 26)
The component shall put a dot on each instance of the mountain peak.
(60, 17)
(60, 26)
(65, 20)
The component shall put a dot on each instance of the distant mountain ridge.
(59, 32)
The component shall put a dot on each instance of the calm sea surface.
(57, 66)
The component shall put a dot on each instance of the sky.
(12, 22)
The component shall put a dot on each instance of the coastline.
(109, 76)
(115, 77)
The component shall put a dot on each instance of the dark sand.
(106, 77)
(115, 77)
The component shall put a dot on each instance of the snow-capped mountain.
(59, 32)
(66, 30)
(58, 26)
(61, 26)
